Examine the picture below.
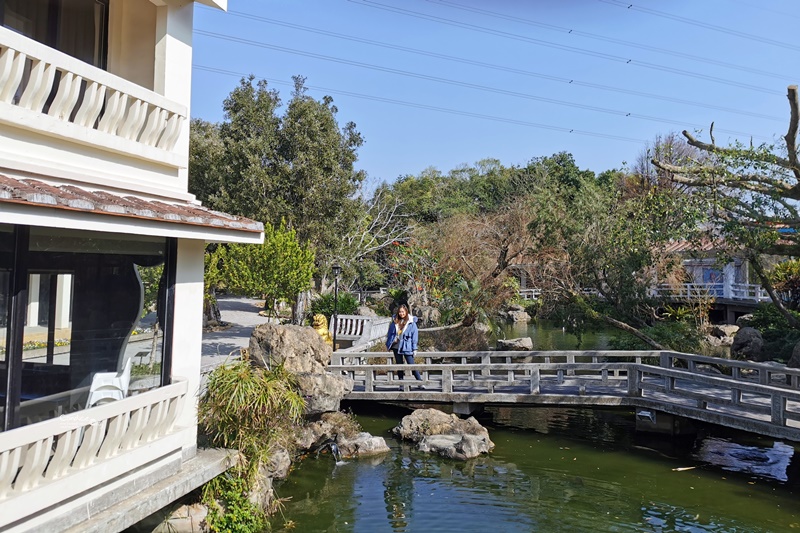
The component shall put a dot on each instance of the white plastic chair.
(109, 386)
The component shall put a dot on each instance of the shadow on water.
(553, 470)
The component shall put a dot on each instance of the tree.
(753, 193)
(277, 270)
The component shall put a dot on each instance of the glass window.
(6, 263)
(92, 332)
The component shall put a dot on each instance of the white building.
(96, 229)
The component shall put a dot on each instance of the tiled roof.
(72, 198)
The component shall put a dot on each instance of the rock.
(365, 310)
(428, 317)
(794, 360)
(744, 320)
(461, 447)
(363, 445)
(748, 344)
(422, 424)
(523, 344)
(723, 330)
(323, 392)
(519, 316)
(515, 307)
(713, 341)
(298, 348)
(184, 519)
(480, 327)
(277, 467)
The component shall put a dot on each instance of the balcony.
(66, 459)
(44, 92)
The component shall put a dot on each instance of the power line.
(434, 108)
(494, 66)
(459, 83)
(573, 49)
(701, 24)
(572, 31)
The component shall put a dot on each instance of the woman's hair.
(408, 312)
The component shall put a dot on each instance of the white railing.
(42, 464)
(362, 331)
(90, 106)
(743, 291)
(695, 291)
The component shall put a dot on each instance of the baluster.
(69, 89)
(536, 379)
(40, 83)
(634, 382)
(116, 431)
(157, 415)
(447, 380)
(779, 409)
(36, 457)
(115, 110)
(155, 123)
(134, 119)
(92, 440)
(171, 132)
(369, 380)
(92, 103)
(12, 66)
(9, 466)
(66, 446)
(173, 408)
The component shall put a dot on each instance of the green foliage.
(151, 279)
(347, 304)
(278, 269)
(229, 509)
(681, 336)
(297, 167)
(785, 279)
(779, 337)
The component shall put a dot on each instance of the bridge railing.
(361, 331)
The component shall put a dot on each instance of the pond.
(547, 335)
(552, 470)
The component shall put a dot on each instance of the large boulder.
(362, 445)
(428, 316)
(723, 330)
(514, 313)
(365, 310)
(298, 348)
(323, 392)
(464, 438)
(744, 320)
(794, 360)
(748, 344)
(523, 344)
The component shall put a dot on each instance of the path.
(242, 315)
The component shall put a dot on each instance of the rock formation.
(447, 435)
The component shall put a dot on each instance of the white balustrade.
(107, 110)
(34, 456)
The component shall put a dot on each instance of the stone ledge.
(206, 465)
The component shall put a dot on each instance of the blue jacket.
(408, 340)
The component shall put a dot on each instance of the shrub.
(347, 304)
(779, 338)
(681, 336)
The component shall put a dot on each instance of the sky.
(447, 83)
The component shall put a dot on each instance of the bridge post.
(778, 409)
(447, 380)
(634, 378)
(535, 381)
(369, 375)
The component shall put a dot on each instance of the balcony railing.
(52, 93)
(47, 462)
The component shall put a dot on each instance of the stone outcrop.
(522, 344)
(362, 445)
(342, 429)
(365, 310)
(794, 360)
(744, 320)
(303, 352)
(428, 317)
(447, 435)
(748, 344)
(515, 313)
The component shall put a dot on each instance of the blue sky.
(443, 83)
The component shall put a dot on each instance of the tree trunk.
(767, 284)
(299, 307)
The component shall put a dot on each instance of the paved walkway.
(242, 315)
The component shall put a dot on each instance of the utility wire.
(434, 108)
(459, 83)
(548, 44)
(701, 24)
(494, 66)
(631, 44)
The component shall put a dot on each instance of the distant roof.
(72, 198)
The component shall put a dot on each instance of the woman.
(402, 339)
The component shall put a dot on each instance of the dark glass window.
(91, 320)
(76, 27)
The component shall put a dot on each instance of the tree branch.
(791, 135)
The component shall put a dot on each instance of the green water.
(552, 470)
(547, 335)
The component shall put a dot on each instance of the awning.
(85, 208)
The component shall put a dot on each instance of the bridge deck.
(753, 397)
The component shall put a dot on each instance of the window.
(76, 27)
(92, 312)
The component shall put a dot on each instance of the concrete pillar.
(728, 278)
(63, 300)
(187, 331)
(33, 300)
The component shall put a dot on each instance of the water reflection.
(765, 462)
(547, 335)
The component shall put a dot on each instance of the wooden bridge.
(757, 397)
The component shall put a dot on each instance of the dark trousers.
(409, 359)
